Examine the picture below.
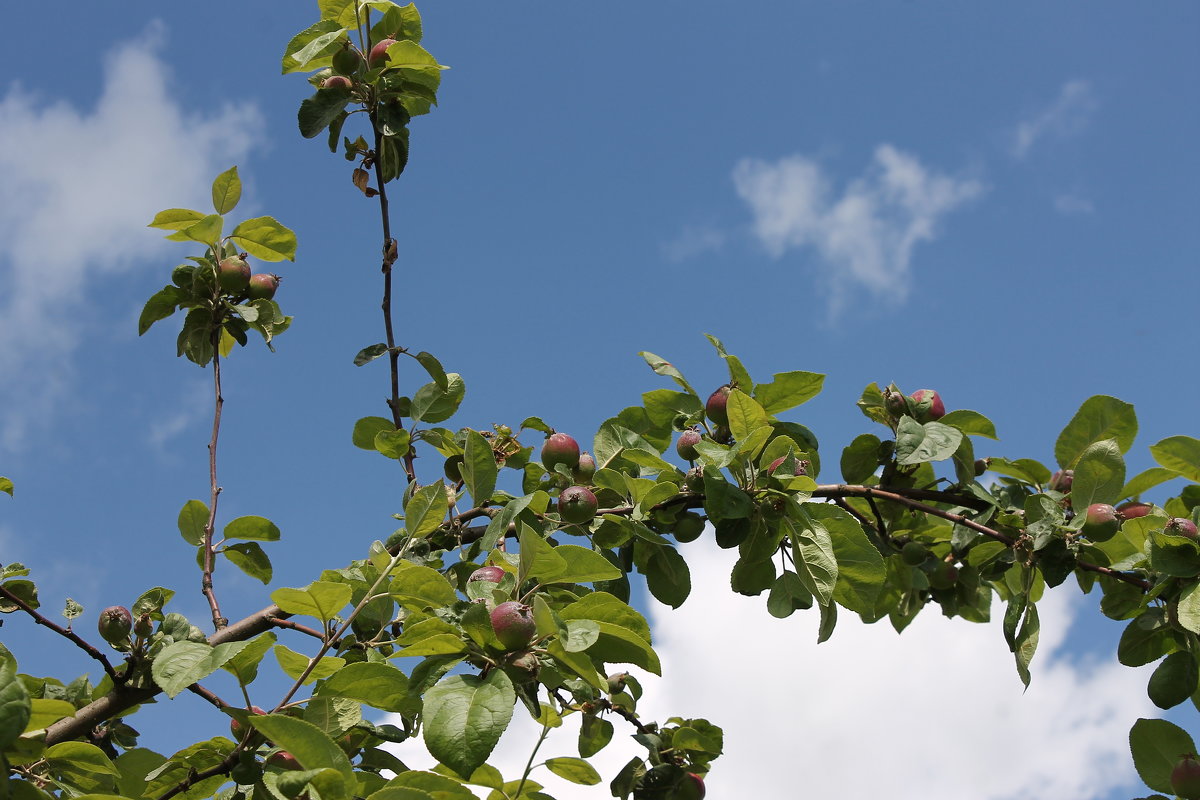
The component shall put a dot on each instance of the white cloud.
(865, 236)
(925, 715)
(693, 241)
(1072, 204)
(192, 406)
(80, 184)
(1066, 116)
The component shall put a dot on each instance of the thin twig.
(296, 626)
(206, 582)
(117, 678)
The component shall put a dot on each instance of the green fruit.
(690, 788)
(246, 773)
(379, 56)
(981, 466)
(716, 409)
(577, 505)
(233, 274)
(513, 624)
(943, 576)
(262, 286)
(560, 449)
(114, 625)
(586, 470)
(1100, 522)
(895, 403)
(336, 82)
(1185, 777)
(143, 626)
(685, 446)
(914, 554)
(929, 405)
(347, 60)
(616, 682)
(688, 527)
(453, 468)
(694, 480)
(284, 760)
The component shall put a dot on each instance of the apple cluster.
(233, 273)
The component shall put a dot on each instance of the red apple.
(514, 625)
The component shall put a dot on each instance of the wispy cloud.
(693, 241)
(1072, 204)
(919, 716)
(864, 235)
(80, 184)
(1066, 116)
(195, 401)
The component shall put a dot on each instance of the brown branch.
(67, 633)
(195, 777)
(296, 626)
(206, 582)
(210, 697)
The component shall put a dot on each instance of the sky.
(996, 202)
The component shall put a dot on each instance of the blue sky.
(997, 202)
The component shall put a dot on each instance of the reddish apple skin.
(716, 409)
(336, 82)
(937, 409)
(284, 760)
(490, 574)
(560, 449)
(1061, 480)
(1133, 510)
(586, 470)
(262, 286)
(686, 445)
(691, 788)
(1181, 526)
(114, 625)
(378, 54)
(514, 625)
(577, 504)
(233, 274)
(1185, 777)
(237, 729)
(801, 466)
(1102, 521)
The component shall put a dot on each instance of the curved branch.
(67, 633)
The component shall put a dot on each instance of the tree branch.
(67, 633)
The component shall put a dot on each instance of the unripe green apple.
(577, 504)
(143, 626)
(262, 286)
(246, 773)
(492, 574)
(688, 527)
(560, 449)
(686, 445)
(616, 682)
(347, 60)
(514, 625)
(716, 409)
(895, 403)
(233, 274)
(1133, 510)
(336, 82)
(1100, 522)
(943, 576)
(379, 56)
(914, 554)
(586, 471)
(1181, 526)
(453, 468)
(694, 480)
(114, 626)
(1185, 777)
(929, 406)
(1061, 480)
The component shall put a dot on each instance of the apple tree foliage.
(900, 525)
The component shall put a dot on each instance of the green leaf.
(176, 219)
(917, 443)
(594, 735)
(1025, 469)
(259, 529)
(227, 191)
(861, 572)
(206, 231)
(1099, 475)
(1146, 480)
(538, 557)
(788, 390)
(251, 559)
(1189, 608)
(970, 422)
(1156, 746)
(294, 664)
(322, 108)
(668, 577)
(816, 564)
(479, 468)
(424, 512)
(575, 770)
(860, 459)
(311, 746)
(244, 664)
(434, 404)
(369, 354)
(1174, 680)
(265, 239)
(723, 500)
(320, 599)
(581, 565)
(464, 717)
(366, 429)
(300, 56)
(745, 415)
(1100, 417)
(665, 368)
(787, 595)
(381, 686)
(421, 587)
(192, 519)
(161, 305)
(393, 443)
(1145, 639)
(1180, 454)
(603, 607)
(6, 485)
(180, 664)
(434, 368)
(79, 757)
(15, 706)
(1026, 642)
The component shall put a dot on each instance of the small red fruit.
(237, 729)
(686, 445)
(115, 624)
(1185, 777)
(379, 55)
(716, 409)
(1061, 481)
(801, 465)
(284, 760)
(1181, 526)
(491, 574)
(929, 405)
(262, 286)
(690, 788)
(577, 504)
(1101, 522)
(1133, 510)
(514, 625)
(586, 470)
(336, 82)
(233, 274)
(560, 449)
(943, 576)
